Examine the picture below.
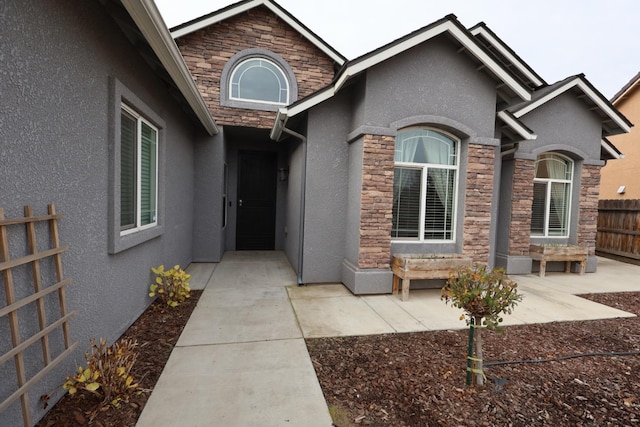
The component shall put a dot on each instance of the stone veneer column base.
(367, 280)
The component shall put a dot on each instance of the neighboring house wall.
(56, 143)
(624, 171)
(207, 52)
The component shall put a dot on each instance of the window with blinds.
(425, 182)
(138, 172)
(551, 196)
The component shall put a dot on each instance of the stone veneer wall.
(376, 202)
(521, 205)
(588, 215)
(477, 204)
(208, 50)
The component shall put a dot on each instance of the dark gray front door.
(257, 186)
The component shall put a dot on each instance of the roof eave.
(621, 122)
(149, 20)
(507, 53)
(516, 125)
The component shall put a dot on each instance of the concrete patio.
(242, 359)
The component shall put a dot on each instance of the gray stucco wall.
(294, 198)
(326, 190)
(431, 79)
(208, 231)
(57, 59)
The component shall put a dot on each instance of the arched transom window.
(551, 196)
(424, 185)
(259, 80)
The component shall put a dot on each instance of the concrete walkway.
(241, 360)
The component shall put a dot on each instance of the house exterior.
(620, 178)
(254, 134)
(484, 143)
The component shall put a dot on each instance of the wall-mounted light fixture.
(622, 189)
(283, 174)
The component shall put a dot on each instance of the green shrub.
(481, 294)
(108, 372)
(171, 286)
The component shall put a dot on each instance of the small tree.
(484, 296)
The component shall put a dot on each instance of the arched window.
(551, 196)
(259, 80)
(424, 185)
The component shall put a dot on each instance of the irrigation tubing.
(555, 359)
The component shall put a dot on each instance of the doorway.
(256, 206)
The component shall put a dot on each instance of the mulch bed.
(418, 379)
(157, 331)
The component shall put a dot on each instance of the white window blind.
(138, 172)
(551, 196)
(425, 182)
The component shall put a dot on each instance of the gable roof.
(153, 32)
(448, 25)
(243, 6)
(626, 89)
(506, 55)
(613, 122)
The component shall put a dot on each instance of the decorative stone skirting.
(477, 203)
(376, 202)
(521, 205)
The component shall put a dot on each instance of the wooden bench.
(566, 253)
(423, 266)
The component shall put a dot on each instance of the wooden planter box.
(424, 266)
(566, 253)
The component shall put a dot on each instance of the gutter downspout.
(303, 184)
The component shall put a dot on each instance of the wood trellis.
(37, 297)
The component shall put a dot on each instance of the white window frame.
(547, 209)
(283, 76)
(424, 169)
(139, 121)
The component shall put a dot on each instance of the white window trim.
(140, 120)
(259, 101)
(547, 207)
(423, 189)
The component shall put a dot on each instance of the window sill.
(123, 242)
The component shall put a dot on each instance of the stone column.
(477, 204)
(521, 205)
(376, 202)
(588, 206)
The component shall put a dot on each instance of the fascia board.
(517, 126)
(250, 5)
(430, 33)
(215, 18)
(586, 90)
(504, 51)
(620, 96)
(149, 20)
(607, 146)
(310, 102)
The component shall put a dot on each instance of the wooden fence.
(619, 228)
(38, 288)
